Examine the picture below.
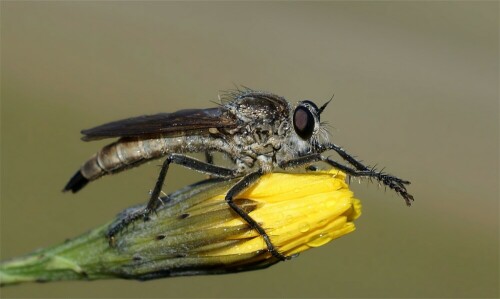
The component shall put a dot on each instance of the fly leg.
(238, 188)
(209, 157)
(342, 153)
(154, 201)
(360, 170)
(390, 181)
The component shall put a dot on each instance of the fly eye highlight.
(303, 122)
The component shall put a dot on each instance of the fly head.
(308, 131)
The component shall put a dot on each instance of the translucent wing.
(183, 122)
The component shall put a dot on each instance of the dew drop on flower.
(304, 227)
(319, 240)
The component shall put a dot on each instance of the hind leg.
(155, 201)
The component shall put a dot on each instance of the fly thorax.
(283, 129)
(293, 147)
(244, 164)
(265, 163)
(262, 149)
(266, 145)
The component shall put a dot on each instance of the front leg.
(154, 200)
(342, 153)
(361, 170)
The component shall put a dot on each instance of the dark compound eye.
(303, 122)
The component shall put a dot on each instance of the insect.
(257, 131)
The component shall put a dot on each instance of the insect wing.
(177, 123)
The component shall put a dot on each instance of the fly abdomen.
(116, 157)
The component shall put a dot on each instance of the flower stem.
(74, 259)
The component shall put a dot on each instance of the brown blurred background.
(416, 91)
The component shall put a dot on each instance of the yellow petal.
(298, 211)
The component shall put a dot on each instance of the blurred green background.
(416, 90)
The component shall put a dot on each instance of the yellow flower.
(198, 233)
(298, 212)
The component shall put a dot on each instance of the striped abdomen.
(121, 155)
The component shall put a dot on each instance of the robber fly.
(258, 131)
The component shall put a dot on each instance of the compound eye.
(303, 122)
